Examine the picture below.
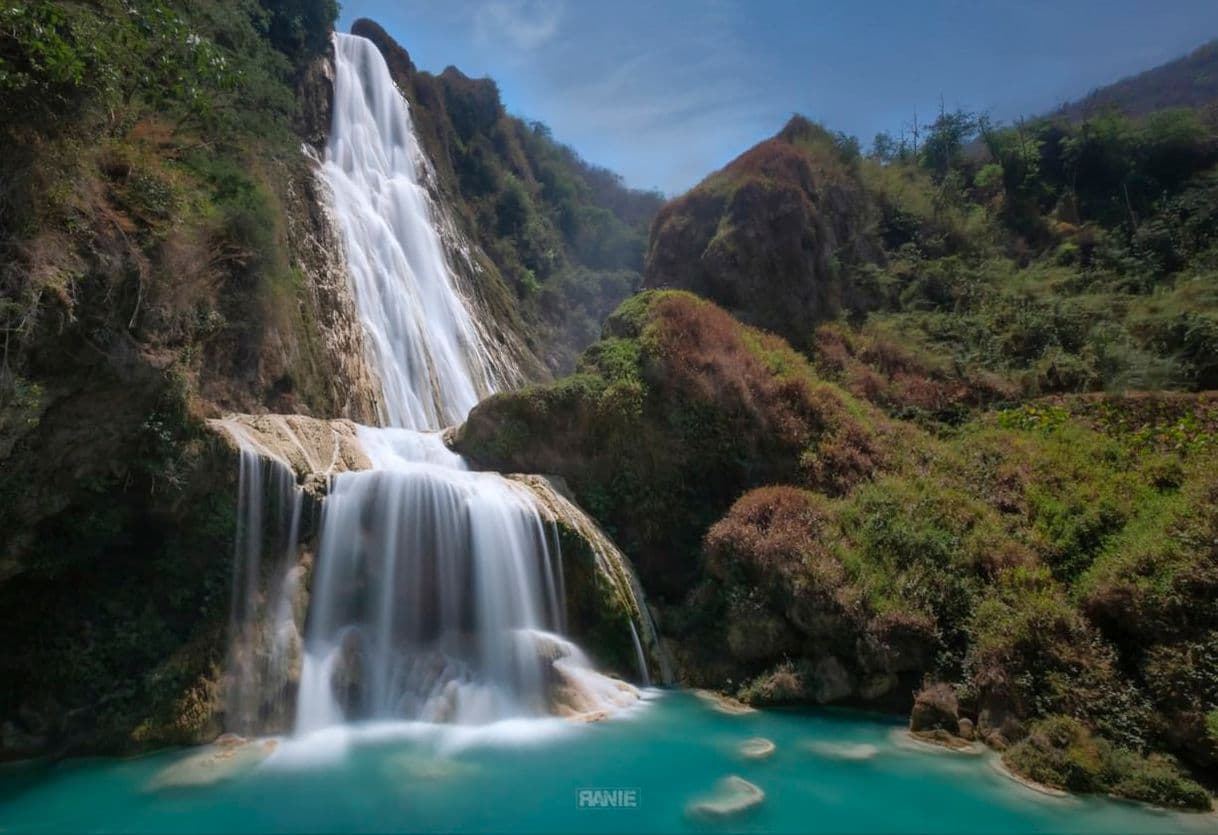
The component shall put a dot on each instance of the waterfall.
(432, 581)
(433, 362)
(436, 594)
(265, 642)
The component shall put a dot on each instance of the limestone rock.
(757, 748)
(307, 446)
(733, 796)
(831, 681)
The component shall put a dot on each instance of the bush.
(1062, 752)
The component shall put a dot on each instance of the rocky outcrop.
(772, 235)
(936, 708)
(313, 450)
(606, 610)
(349, 383)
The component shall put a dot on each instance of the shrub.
(1062, 752)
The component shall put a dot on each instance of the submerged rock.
(733, 796)
(415, 765)
(849, 751)
(724, 704)
(757, 748)
(229, 757)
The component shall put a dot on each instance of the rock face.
(606, 611)
(769, 236)
(311, 449)
(118, 512)
(936, 708)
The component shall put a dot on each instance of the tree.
(948, 134)
(883, 148)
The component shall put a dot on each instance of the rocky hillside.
(941, 482)
(164, 258)
(770, 236)
(1047, 562)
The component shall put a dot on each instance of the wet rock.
(723, 704)
(943, 739)
(757, 748)
(967, 731)
(307, 446)
(733, 796)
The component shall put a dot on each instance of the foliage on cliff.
(153, 225)
(566, 237)
(1000, 262)
(669, 417)
(1050, 559)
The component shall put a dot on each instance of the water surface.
(831, 771)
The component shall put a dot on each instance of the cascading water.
(436, 594)
(433, 362)
(265, 635)
(432, 583)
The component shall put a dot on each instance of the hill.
(1190, 81)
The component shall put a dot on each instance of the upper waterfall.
(433, 362)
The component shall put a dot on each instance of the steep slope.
(770, 236)
(167, 256)
(1051, 563)
(1190, 81)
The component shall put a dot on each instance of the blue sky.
(665, 91)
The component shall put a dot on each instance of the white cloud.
(522, 24)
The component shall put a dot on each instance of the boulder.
(830, 681)
(936, 708)
(967, 731)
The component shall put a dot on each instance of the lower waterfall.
(436, 593)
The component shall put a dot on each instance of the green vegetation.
(949, 482)
(1061, 752)
(147, 275)
(1061, 256)
(1047, 559)
(981, 265)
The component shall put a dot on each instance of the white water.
(265, 641)
(430, 581)
(433, 363)
(436, 592)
